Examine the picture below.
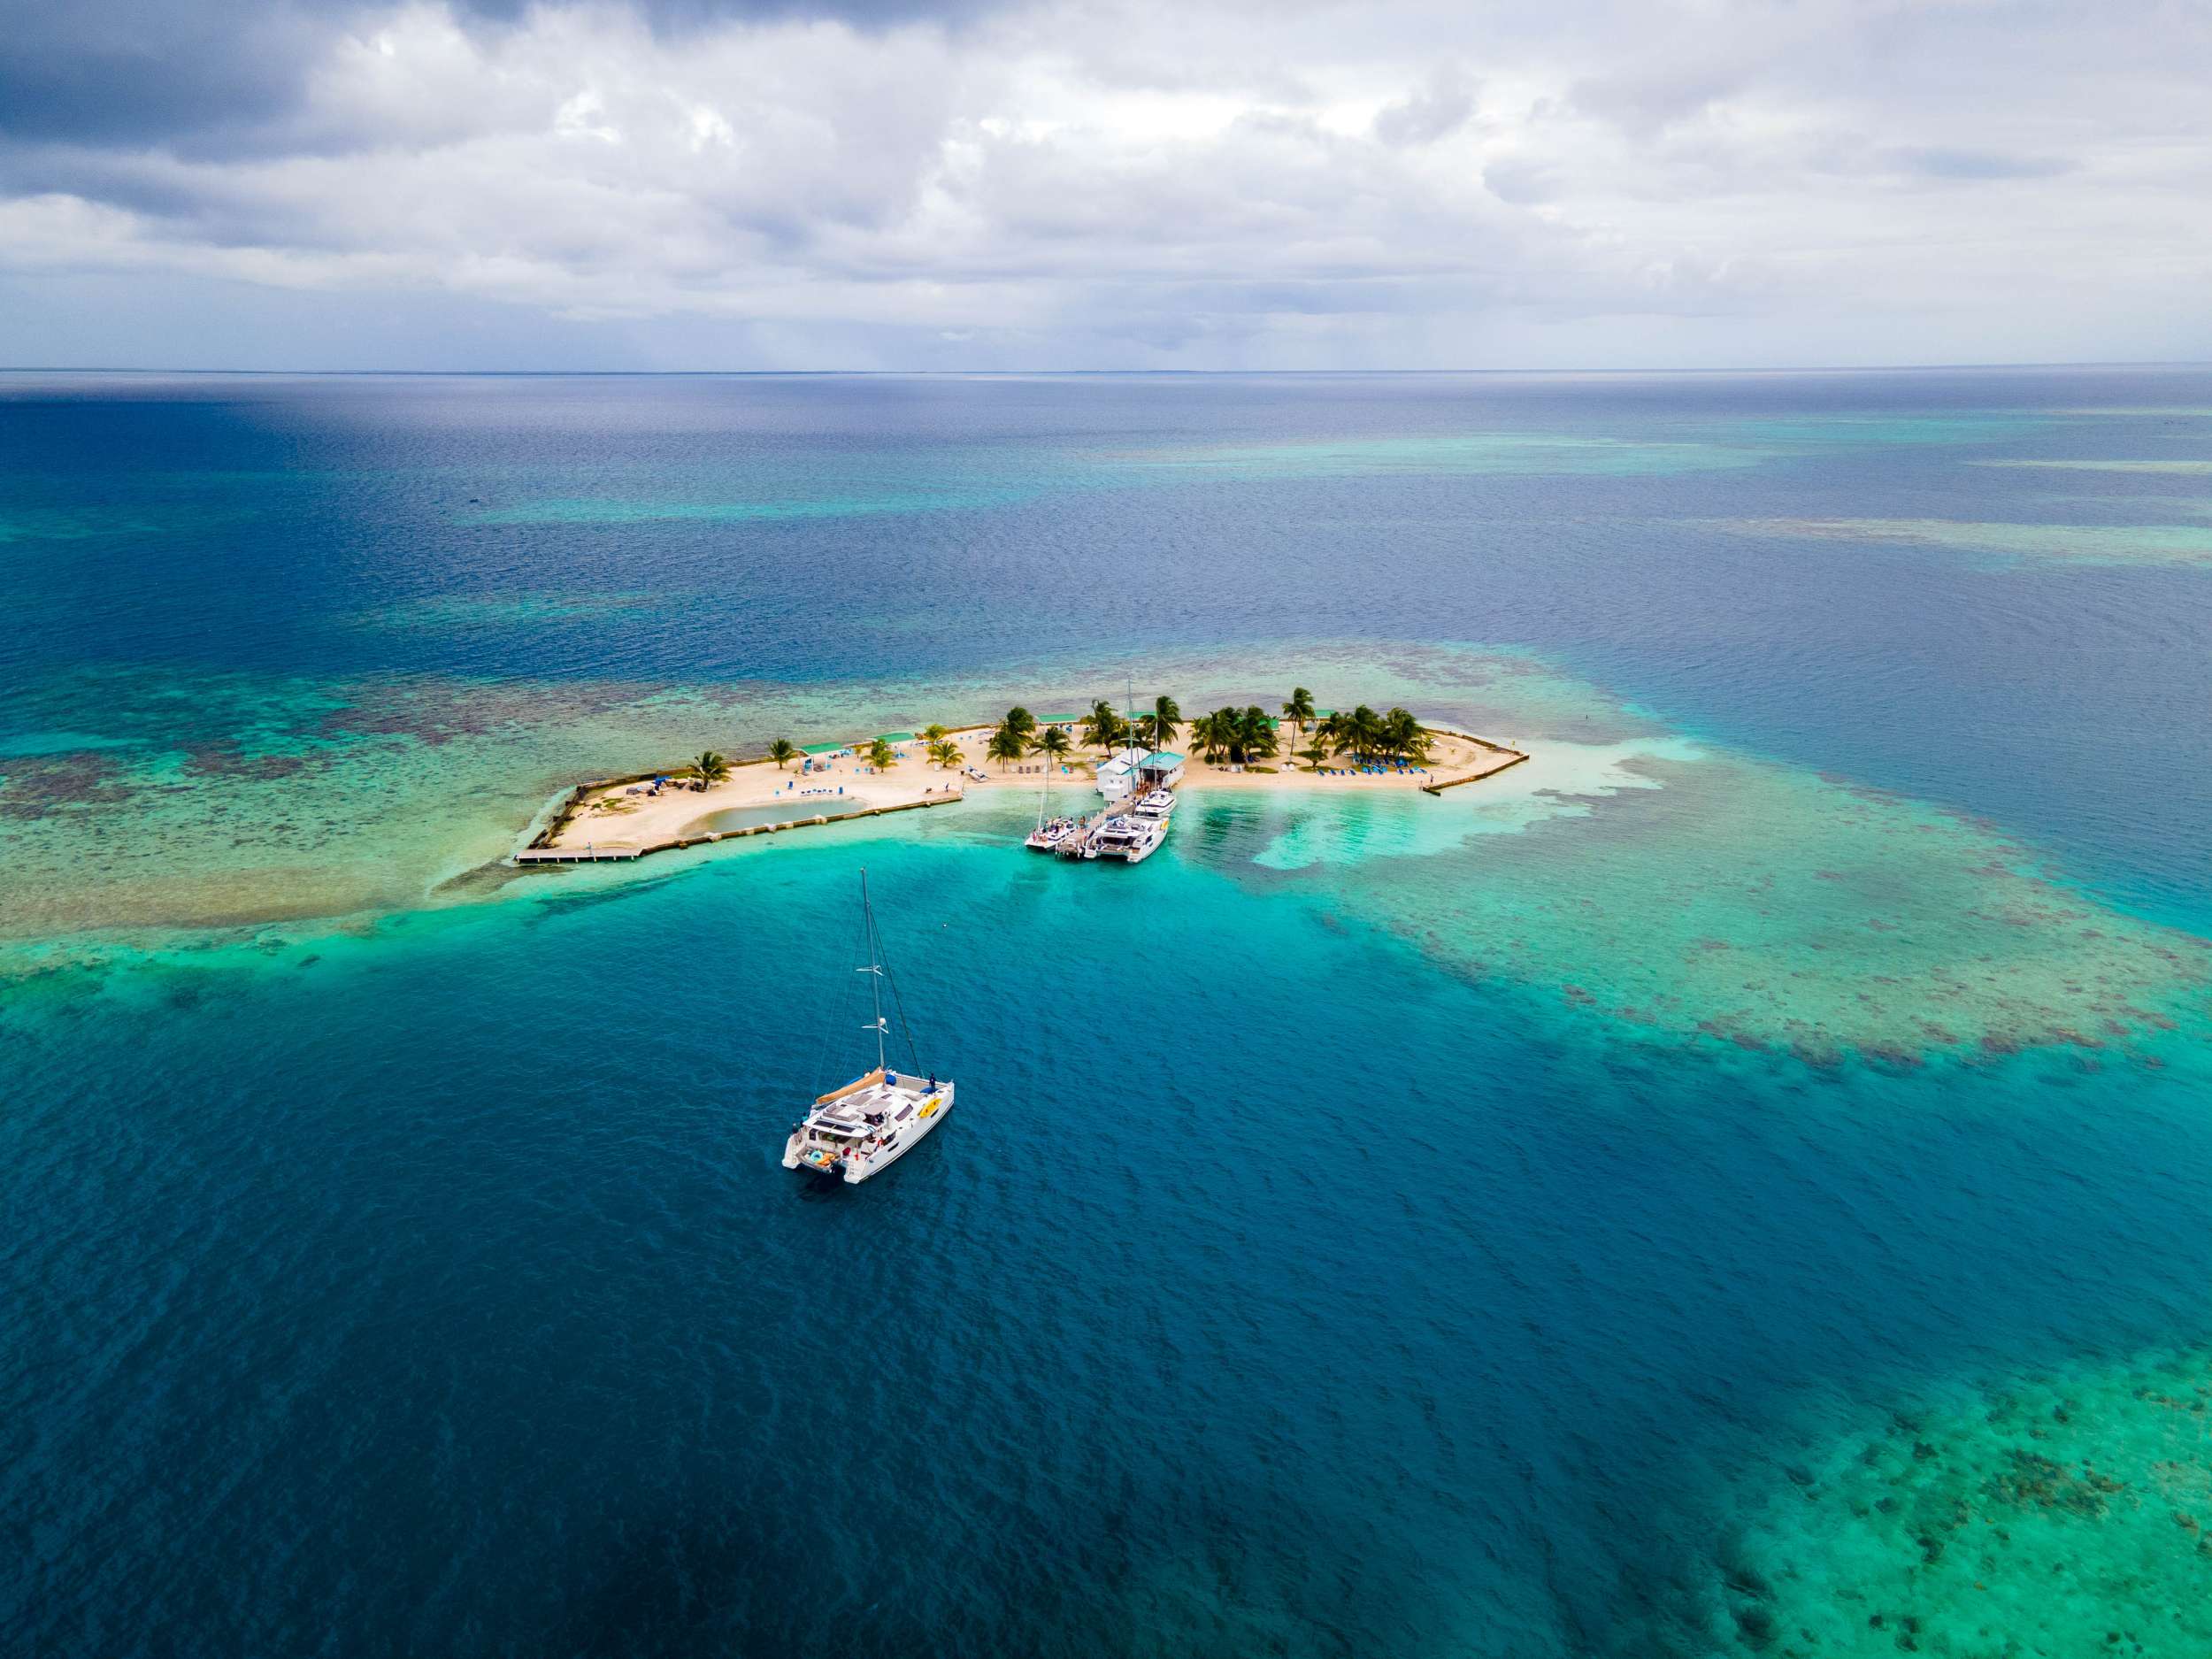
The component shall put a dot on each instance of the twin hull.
(932, 1111)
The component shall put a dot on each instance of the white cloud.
(1208, 185)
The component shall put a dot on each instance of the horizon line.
(580, 373)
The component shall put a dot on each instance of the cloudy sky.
(990, 184)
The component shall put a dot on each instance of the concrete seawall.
(1476, 777)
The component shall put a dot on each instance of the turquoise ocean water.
(1734, 1186)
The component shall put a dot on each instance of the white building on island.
(1162, 769)
(1118, 776)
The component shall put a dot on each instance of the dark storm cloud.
(130, 72)
(215, 76)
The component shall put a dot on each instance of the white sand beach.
(628, 817)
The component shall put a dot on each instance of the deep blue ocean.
(420, 1279)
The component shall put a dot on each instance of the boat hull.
(919, 1129)
(1132, 842)
(853, 1169)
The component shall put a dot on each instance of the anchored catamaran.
(863, 1128)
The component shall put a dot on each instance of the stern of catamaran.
(865, 1126)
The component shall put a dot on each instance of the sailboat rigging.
(857, 1132)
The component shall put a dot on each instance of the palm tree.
(1103, 726)
(933, 733)
(1006, 744)
(782, 750)
(944, 754)
(1239, 733)
(1361, 732)
(1053, 743)
(1258, 733)
(881, 756)
(712, 768)
(1021, 723)
(1165, 718)
(1404, 736)
(1299, 710)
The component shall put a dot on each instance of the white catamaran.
(1050, 832)
(1129, 836)
(863, 1128)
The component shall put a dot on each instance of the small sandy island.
(628, 818)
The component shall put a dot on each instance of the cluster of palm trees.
(1366, 735)
(1020, 734)
(1107, 730)
(1239, 735)
(1013, 737)
(1104, 729)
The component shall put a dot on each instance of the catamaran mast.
(874, 970)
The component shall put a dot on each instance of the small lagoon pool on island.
(793, 808)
